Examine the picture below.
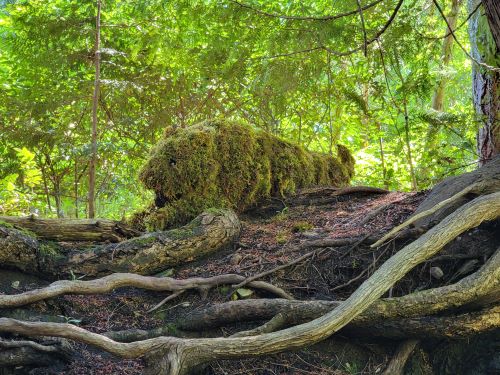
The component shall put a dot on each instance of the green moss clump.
(302, 226)
(6, 225)
(228, 164)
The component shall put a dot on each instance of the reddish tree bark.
(484, 32)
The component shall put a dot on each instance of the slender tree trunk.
(330, 124)
(408, 146)
(46, 189)
(95, 102)
(484, 33)
(430, 146)
(438, 97)
(57, 196)
(75, 187)
(382, 155)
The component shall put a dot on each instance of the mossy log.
(147, 254)
(233, 165)
(93, 230)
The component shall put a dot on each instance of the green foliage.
(183, 62)
(223, 163)
(17, 190)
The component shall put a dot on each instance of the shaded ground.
(265, 244)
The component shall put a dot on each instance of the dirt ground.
(264, 244)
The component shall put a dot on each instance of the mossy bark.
(229, 164)
(146, 254)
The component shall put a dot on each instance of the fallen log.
(91, 230)
(326, 195)
(147, 254)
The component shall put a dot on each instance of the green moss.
(282, 237)
(145, 240)
(50, 251)
(22, 230)
(302, 226)
(6, 225)
(230, 165)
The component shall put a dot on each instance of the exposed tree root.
(25, 353)
(119, 280)
(488, 173)
(94, 230)
(475, 188)
(450, 326)
(167, 355)
(478, 289)
(403, 352)
(147, 254)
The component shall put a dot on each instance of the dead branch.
(276, 269)
(119, 280)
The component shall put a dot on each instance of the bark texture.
(484, 32)
(93, 230)
(147, 254)
(489, 174)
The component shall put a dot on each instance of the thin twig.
(362, 19)
(268, 272)
(305, 18)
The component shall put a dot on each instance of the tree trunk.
(484, 33)
(95, 102)
(438, 97)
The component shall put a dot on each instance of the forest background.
(400, 100)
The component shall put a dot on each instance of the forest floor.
(266, 243)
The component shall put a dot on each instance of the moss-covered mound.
(233, 165)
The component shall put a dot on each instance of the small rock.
(437, 272)
(235, 259)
